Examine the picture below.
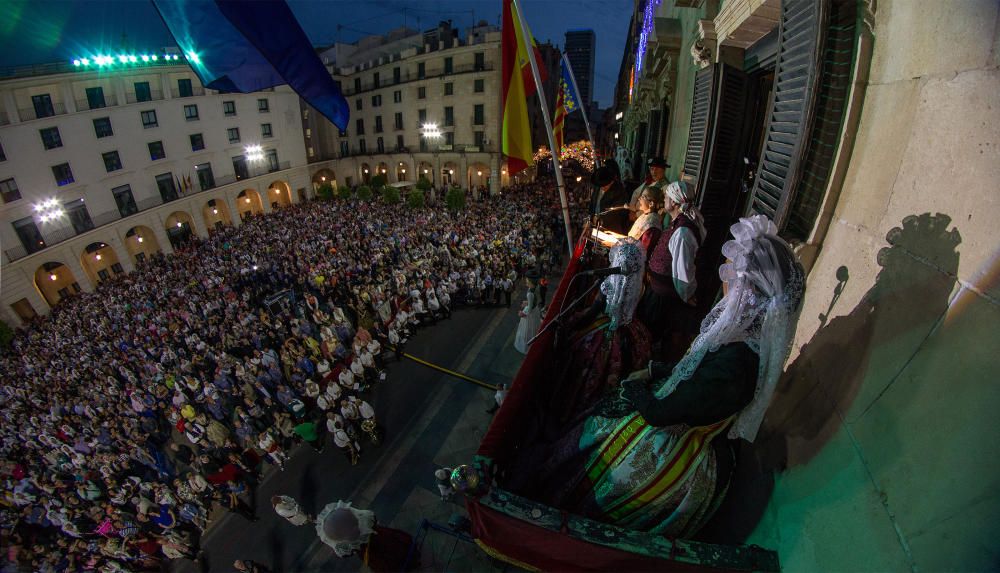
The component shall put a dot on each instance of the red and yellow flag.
(518, 84)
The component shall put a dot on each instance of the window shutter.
(718, 189)
(700, 115)
(791, 108)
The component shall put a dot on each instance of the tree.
(415, 200)
(423, 183)
(325, 192)
(364, 193)
(345, 192)
(455, 199)
(390, 194)
(379, 181)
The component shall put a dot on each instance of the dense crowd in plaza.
(129, 412)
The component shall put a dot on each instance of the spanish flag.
(518, 84)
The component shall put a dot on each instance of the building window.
(359, 127)
(197, 142)
(27, 231)
(480, 61)
(265, 130)
(375, 81)
(184, 88)
(263, 106)
(102, 127)
(142, 92)
(479, 86)
(156, 150)
(205, 178)
(449, 138)
(95, 97)
(50, 137)
(449, 116)
(449, 89)
(229, 108)
(272, 160)
(362, 147)
(148, 118)
(358, 104)
(378, 124)
(345, 149)
(78, 215)
(234, 134)
(422, 116)
(191, 112)
(357, 85)
(421, 71)
(448, 67)
(396, 75)
(397, 96)
(112, 162)
(478, 114)
(240, 167)
(63, 174)
(377, 100)
(398, 120)
(380, 145)
(423, 144)
(399, 142)
(165, 184)
(43, 105)
(479, 139)
(421, 93)
(9, 191)
(125, 200)
(3, 154)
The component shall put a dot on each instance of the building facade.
(422, 105)
(580, 51)
(102, 165)
(868, 132)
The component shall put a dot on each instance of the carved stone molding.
(869, 9)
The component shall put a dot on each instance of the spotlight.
(53, 277)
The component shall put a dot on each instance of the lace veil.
(622, 291)
(761, 308)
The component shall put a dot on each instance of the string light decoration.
(648, 18)
(581, 152)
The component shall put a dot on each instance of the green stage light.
(145, 58)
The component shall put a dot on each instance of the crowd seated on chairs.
(131, 411)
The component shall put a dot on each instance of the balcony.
(462, 69)
(195, 91)
(84, 104)
(154, 95)
(28, 113)
(67, 231)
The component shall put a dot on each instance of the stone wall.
(882, 431)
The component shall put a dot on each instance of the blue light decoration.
(123, 60)
(648, 16)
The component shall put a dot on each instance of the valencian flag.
(238, 46)
(518, 84)
(567, 102)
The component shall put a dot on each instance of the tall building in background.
(580, 51)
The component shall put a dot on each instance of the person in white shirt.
(288, 508)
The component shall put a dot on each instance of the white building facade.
(396, 87)
(102, 166)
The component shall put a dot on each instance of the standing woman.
(647, 228)
(530, 315)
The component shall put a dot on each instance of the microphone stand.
(563, 311)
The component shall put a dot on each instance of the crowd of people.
(130, 412)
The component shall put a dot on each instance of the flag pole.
(586, 122)
(548, 125)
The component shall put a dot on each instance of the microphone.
(606, 211)
(605, 272)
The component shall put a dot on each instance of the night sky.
(41, 31)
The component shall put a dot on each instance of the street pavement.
(430, 420)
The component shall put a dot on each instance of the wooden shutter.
(791, 108)
(718, 189)
(700, 116)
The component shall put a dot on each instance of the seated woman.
(605, 341)
(655, 458)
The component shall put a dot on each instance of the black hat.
(532, 274)
(658, 162)
(603, 176)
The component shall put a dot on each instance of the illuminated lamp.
(179, 224)
(132, 59)
(53, 277)
(76, 63)
(154, 57)
(215, 211)
(247, 200)
(451, 172)
(97, 257)
(479, 173)
(123, 59)
(85, 61)
(139, 239)
(145, 57)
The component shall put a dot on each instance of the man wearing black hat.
(610, 193)
(657, 169)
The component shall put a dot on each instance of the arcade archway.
(141, 243)
(248, 203)
(55, 281)
(279, 194)
(100, 261)
(216, 215)
(179, 227)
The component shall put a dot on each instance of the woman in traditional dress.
(530, 315)
(656, 458)
(351, 531)
(647, 228)
(605, 342)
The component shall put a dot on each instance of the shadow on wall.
(847, 365)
